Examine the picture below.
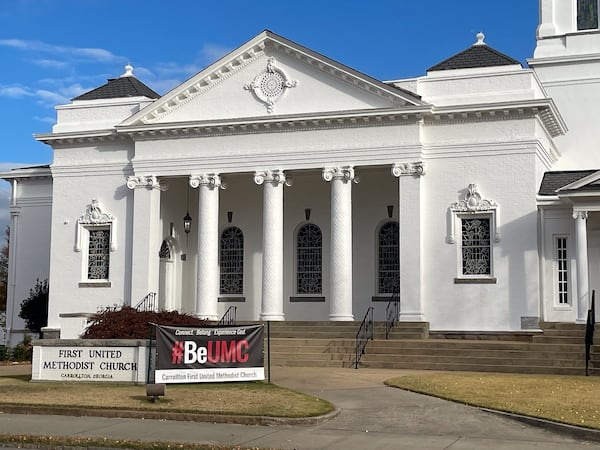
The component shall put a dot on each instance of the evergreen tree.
(34, 309)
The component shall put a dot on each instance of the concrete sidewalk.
(372, 416)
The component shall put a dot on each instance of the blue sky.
(54, 50)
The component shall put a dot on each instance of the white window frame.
(378, 256)
(460, 266)
(296, 265)
(94, 219)
(556, 270)
(473, 206)
(221, 273)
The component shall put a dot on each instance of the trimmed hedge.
(129, 323)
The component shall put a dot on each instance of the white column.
(583, 286)
(13, 303)
(272, 276)
(207, 283)
(146, 236)
(341, 178)
(409, 219)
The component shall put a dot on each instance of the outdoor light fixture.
(187, 220)
(187, 223)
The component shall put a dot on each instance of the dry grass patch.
(252, 398)
(569, 399)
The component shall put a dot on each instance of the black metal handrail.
(589, 332)
(147, 303)
(365, 332)
(229, 318)
(392, 312)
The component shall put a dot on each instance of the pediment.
(271, 76)
(587, 183)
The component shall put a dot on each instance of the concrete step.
(332, 344)
(561, 326)
(514, 360)
(564, 333)
(559, 340)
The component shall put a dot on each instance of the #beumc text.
(189, 352)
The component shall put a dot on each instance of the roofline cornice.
(545, 108)
(579, 195)
(567, 59)
(347, 119)
(32, 172)
(78, 137)
(430, 114)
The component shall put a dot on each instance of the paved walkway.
(372, 416)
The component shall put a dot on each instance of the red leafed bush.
(129, 323)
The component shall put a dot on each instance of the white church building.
(294, 187)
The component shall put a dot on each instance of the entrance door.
(166, 279)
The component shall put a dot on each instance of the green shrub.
(128, 323)
(23, 350)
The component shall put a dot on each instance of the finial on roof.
(128, 71)
(480, 38)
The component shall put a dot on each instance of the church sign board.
(209, 354)
(77, 360)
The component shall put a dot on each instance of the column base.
(412, 317)
(341, 317)
(581, 321)
(274, 317)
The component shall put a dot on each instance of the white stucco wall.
(29, 248)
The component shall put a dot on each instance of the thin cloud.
(50, 63)
(60, 96)
(82, 53)
(213, 52)
(47, 119)
(45, 97)
(15, 92)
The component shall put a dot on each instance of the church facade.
(293, 187)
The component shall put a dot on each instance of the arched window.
(309, 260)
(232, 261)
(388, 267)
(165, 250)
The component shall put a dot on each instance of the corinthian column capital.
(345, 173)
(415, 169)
(212, 180)
(274, 177)
(147, 181)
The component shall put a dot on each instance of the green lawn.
(573, 400)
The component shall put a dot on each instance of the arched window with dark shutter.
(388, 260)
(232, 261)
(309, 260)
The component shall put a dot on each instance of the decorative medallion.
(473, 204)
(94, 215)
(473, 201)
(269, 85)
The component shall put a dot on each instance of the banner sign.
(209, 355)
